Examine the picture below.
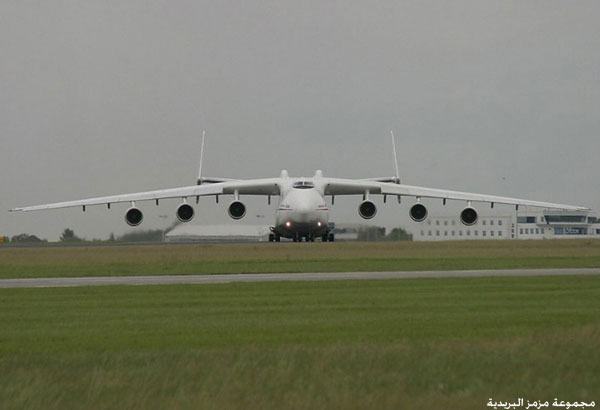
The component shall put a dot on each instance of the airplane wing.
(338, 186)
(270, 186)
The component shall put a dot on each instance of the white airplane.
(303, 212)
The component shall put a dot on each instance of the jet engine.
(418, 212)
(185, 213)
(469, 216)
(237, 210)
(367, 209)
(134, 217)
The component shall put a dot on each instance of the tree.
(399, 234)
(68, 235)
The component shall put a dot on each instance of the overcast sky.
(106, 97)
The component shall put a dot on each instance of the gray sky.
(108, 97)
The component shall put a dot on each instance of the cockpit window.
(303, 185)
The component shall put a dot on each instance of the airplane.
(303, 212)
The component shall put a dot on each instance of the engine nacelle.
(134, 217)
(237, 210)
(469, 216)
(185, 213)
(418, 212)
(367, 209)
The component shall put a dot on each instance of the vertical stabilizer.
(397, 175)
(201, 157)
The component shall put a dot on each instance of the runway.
(279, 277)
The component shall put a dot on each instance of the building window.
(526, 219)
(492, 222)
(445, 233)
(483, 233)
(429, 233)
(500, 222)
(566, 218)
(570, 231)
(437, 233)
(537, 231)
(476, 233)
(437, 223)
(597, 231)
(521, 231)
(445, 223)
(527, 231)
(483, 222)
(468, 233)
(453, 232)
(459, 233)
(499, 233)
(491, 233)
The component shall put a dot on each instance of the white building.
(218, 233)
(542, 225)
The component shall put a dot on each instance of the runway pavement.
(277, 277)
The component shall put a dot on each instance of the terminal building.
(543, 225)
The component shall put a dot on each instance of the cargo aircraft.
(303, 212)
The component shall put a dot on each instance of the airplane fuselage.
(302, 211)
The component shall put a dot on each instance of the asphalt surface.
(278, 277)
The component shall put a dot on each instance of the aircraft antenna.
(395, 157)
(201, 157)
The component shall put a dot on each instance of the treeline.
(376, 233)
(69, 236)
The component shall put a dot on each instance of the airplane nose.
(304, 208)
(303, 212)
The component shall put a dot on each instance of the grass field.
(295, 257)
(409, 344)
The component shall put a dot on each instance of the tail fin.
(201, 157)
(397, 175)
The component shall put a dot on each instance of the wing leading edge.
(270, 186)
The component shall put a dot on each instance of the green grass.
(299, 257)
(429, 343)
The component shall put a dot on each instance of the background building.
(540, 225)
(218, 233)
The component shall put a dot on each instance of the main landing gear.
(326, 237)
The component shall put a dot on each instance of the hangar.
(218, 233)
